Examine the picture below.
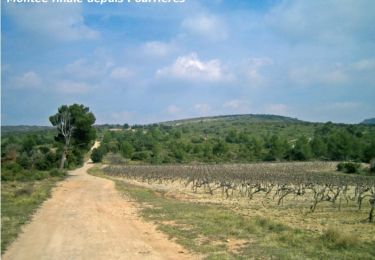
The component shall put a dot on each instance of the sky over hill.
(142, 63)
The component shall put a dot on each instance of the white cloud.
(208, 26)
(347, 105)
(173, 110)
(323, 20)
(334, 77)
(121, 73)
(119, 117)
(253, 70)
(29, 79)
(202, 109)
(365, 65)
(310, 75)
(342, 111)
(72, 87)
(277, 109)
(157, 48)
(237, 105)
(191, 68)
(91, 68)
(62, 22)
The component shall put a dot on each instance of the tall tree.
(74, 127)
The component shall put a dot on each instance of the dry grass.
(19, 200)
(340, 237)
(294, 212)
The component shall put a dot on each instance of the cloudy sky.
(144, 63)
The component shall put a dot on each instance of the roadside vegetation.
(19, 201)
(34, 159)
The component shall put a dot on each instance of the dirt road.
(86, 218)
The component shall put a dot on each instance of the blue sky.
(145, 63)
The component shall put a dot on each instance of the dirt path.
(86, 218)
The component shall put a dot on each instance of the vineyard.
(311, 183)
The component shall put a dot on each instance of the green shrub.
(24, 161)
(14, 172)
(12, 166)
(372, 165)
(349, 167)
(56, 173)
(7, 175)
(39, 175)
(97, 155)
(42, 164)
(75, 158)
(140, 156)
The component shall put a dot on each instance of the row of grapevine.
(277, 181)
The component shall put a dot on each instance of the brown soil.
(86, 218)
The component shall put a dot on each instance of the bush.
(75, 158)
(97, 155)
(38, 176)
(14, 172)
(372, 165)
(24, 161)
(339, 237)
(140, 156)
(7, 175)
(11, 166)
(349, 167)
(57, 173)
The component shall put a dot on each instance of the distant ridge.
(370, 121)
(23, 128)
(249, 118)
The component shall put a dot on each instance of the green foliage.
(240, 140)
(349, 167)
(140, 156)
(372, 165)
(126, 149)
(75, 132)
(318, 147)
(369, 151)
(220, 148)
(14, 172)
(277, 148)
(82, 120)
(57, 173)
(28, 156)
(302, 150)
(97, 155)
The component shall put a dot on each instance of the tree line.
(160, 144)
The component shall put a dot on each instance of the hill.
(23, 128)
(370, 121)
(244, 118)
